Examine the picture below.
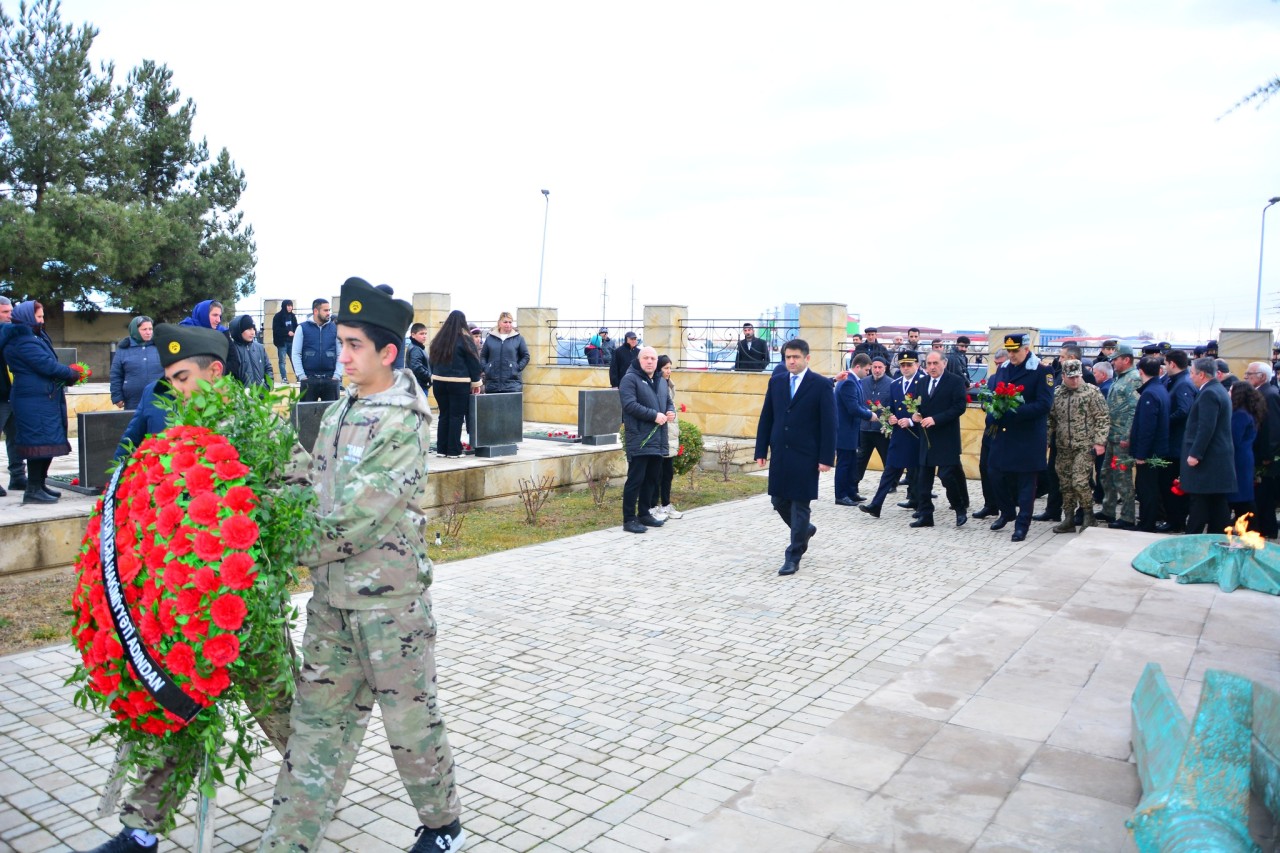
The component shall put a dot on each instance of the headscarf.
(24, 314)
(135, 334)
(200, 316)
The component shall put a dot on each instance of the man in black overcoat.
(1208, 466)
(798, 422)
(942, 403)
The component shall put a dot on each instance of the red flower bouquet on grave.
(185, 557)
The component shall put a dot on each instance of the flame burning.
(1240, 536)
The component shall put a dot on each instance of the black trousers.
(320, 390)
(1053, 504)
(952, 477)
(889, 480)
(1175, 506)
(641, 488)
(990, 494)
(1265, 492)
(795, 514)
(1017, 496)
(1208, 514)
(453, 399)
(1146, 486)
(870, 441)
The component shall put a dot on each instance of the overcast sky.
(936, 163)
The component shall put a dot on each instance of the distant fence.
(569, 339)
(712, 344)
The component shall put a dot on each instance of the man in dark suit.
(1266, 447)
(1020, 438)
(1177, 381)
(852, 412)
(798, 421)
(1208, 456)
(1148, 440)
(904, 446)
(753, 353)
(942, 403)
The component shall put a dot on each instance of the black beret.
(364, 303)
(174, 343)
(881, 359)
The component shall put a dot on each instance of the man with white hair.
(1265, 449)
(17, 467)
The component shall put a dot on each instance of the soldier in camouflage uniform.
(1078, 425)
(370, 635)
(1122, 400)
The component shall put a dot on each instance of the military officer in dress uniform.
(1020, 439)
(904, 445)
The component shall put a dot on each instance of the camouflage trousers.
(1117, 486)
(145, 807)
(1075, 475)
(350, 658)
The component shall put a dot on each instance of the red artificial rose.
(196, 629)
(239, 532)
(237, 571)
(199, 479)
(207, 547)
(181, 659)
(203, 509)
(169, 518)
(239, 499)
(182, 460)
(222, 649)
(220, 453)
(205, 578)
(189, 601)
(230, 469)
(228, 612)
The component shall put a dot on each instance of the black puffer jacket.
(643, 397)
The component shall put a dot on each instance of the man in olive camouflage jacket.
(1122, 401)
(1078, 425)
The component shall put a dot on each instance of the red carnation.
(156, 556)
(222, 649)
(237, 571)
(104, 682)
(167, 492)
(167, 617)
(95, 524)
(180, 544)
(128, 565)
(206, 580)
(220, 453)
(149, 628)
(218, 681)
(199, 479)
(239, 532)
(176, 575)
(150, 593)
(152, 726)
(181, 659)
(230, 469)
(207, 546)
(182, 460)
(168, 519)
(239, 499)
(189, 601)
(203, 509)
(196, 629)
(228, 612)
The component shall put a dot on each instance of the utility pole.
(604, 302)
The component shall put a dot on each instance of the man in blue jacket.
(1177, 381)
(876, 388)
(1020, 438)
(851, 413)
(798, 421)
(1149, 440)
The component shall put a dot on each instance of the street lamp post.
(547, 212)
(1257, 305)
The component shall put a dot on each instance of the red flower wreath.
(185, 542)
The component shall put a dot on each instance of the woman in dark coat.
(1248, 411)
(135, 365)
(1207, 465)
(38, 397)
(455, 376)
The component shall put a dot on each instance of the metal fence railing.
(712, 344)
(572, 341)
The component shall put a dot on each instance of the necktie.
(793, 384)
(932, 384)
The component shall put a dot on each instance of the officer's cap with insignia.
(1151, 349)
(364, 303)
(1072, 367)
(174, 343)
(1016, 341)
(908, 357)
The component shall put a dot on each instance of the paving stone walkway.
(607, 692)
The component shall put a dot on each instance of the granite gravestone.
(599, 415)
(99, 436)
(499, 423)
(67, 356)
(306, 418)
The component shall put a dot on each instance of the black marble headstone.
(306, 418)
(499, 423)
(67, 356)
(599, 415)
(98, 437)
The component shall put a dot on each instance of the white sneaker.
(658, 513)
(671, 512)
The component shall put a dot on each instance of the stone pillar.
(823, 325)
(538, 327)
(664, 330)
(431, 309)
(995, 341)
(1238, 347)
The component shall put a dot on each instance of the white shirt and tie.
(796, 379)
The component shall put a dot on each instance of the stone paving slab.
(1013, 732)
(603, 692)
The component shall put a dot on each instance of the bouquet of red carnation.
(1005, 397)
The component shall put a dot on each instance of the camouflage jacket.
(1122, 400)
(1078, 418)
(369, 469)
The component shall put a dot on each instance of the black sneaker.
(650, 521)
(126, 843)
(632, 525)
(446, 839)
